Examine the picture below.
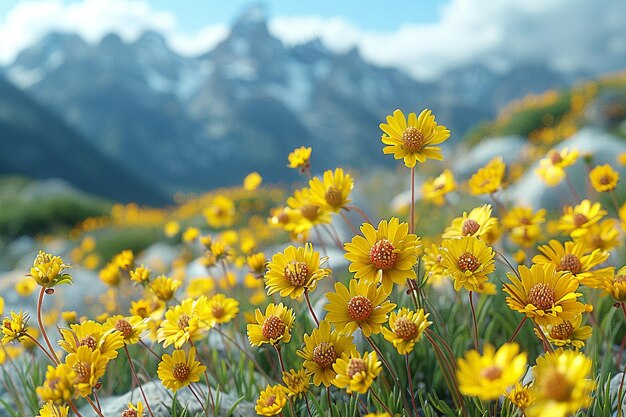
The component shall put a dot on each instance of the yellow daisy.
(303, 213)
(405, 329)
(571, 257)
(179, 370)
(435, 189)
(489, 375)
(562, 385)
(387, 254)
(357, 373)
(604, 235)
(220, 310)
(58, 387)
(433, 264)
(272, 327)
(296, 382)
(488, 179)
(181, 324)
(363, 306)
(131, 327)
(603, 178)
(88, 365)
(50, 409)
(294, 271)
(133, 411)
(333, 193)
(93, 335)
(221, 212)
(545, 295)
(414, 139)
(299, 158)
(551, 169)
(615, 285)
(14, 328)
(524, 225)
(477, 223)
(569, 333)
(468, 260)
(49, 270)
(164, 287)
(577, 220)
(521, 396)
(271, 401)
(140, 275)
(322, 349)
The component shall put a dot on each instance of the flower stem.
(43, 330)
(134, 372)
(615, 203)
(206, 376)
(206, 413)
(381, 402)
(308, 407)
(572, 189)
(74, 409)
(474, 321)
(95, 408)
(410, 378)
(242, 350)
(519, 327)
(308, 302)
(412, 205)
(358, 210)
(41, 347)
(547, 347)
(345, 218)
(280, 358)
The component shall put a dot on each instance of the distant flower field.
(309, 304)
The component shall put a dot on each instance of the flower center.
(541, 296)
(412, 139)
(580, 219)
(218, 311)
(324, 355)
(382, 254)
(570, 262)
(183, 321)
(619, 279)
(83, 371)
(555, 157)
(297, 273)
(355, 365)
(309, 212)
(180, 371)
(491, 373)
(468, 262)
(124, 327)
(359, 308)
(89, 341)
(470, 227)
(405, 328)
(333, 197)
(271, 400)
(129, 413)
(562, 331)
(142, 312)
(273, 327)
(556, 386)
(605, 180)
(283, 218)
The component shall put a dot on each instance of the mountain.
(37, 143)
(189, 123)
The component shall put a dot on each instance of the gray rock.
(160, 400)
(510, 148)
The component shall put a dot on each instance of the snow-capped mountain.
(208, 120)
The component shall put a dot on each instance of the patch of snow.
(24, 78)
(241, 69)
(297, 93)
(55, 59)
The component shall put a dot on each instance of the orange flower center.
(605, 180)
(541, 296)
(324, 355)
(124, 327)
(556, 386)
(355, 365)
(580, 219)
(283, 218)
(382, 254)
(271, 400)
(469, 227)
(142, 312)
(89, 341)
(570, 262)
(297, 273)
(405, 328)
(491, 373)
(218, 311)
(333, 197)
(309, 212)
(619, 279)
(83, 371)
(360, 308)
(555, 157)
(183, 321)
(273, 327)
(468, 262)
(129, 413)
(181, 371)
(562, 331)
(412, 139)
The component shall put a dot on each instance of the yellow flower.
(603, 235)
(385, 255)
(221, 212)
(489, 375)
(181, 324)
(58, 387)
(133, 411)
(171, 228)
(14, 328)
(124, 260)
(300, 159)
(615, 285)
(413, 140)
(357, 373)
(477, 223)
(577, 220)
(48, 270)
(603, 178)
(140, 274)
(435, 189)
(571, 257)
(333, 193)
(406, 328)
(568, 333)
(296, 383)
(488, 179)
(295, 271)
(551, 168)
(179, 370)
(257, 262)
(521, 396)
(303, 214)
(523, 225)
(322, 349)
(200, 286)
(363, 306)
(1, 306)
(252, 181)
(25, 287)
(50, 409)
(468, 260)
(152, 308)
(164, 287)
(385, 414)
(190, 234)
(621, 158)
(433, 264)
(110, 274)
(545, 295)
(131, 327)
(220, 310)
(271, 401)
(89, 365)
(91, 334)
(562, 385)
(272, 327)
